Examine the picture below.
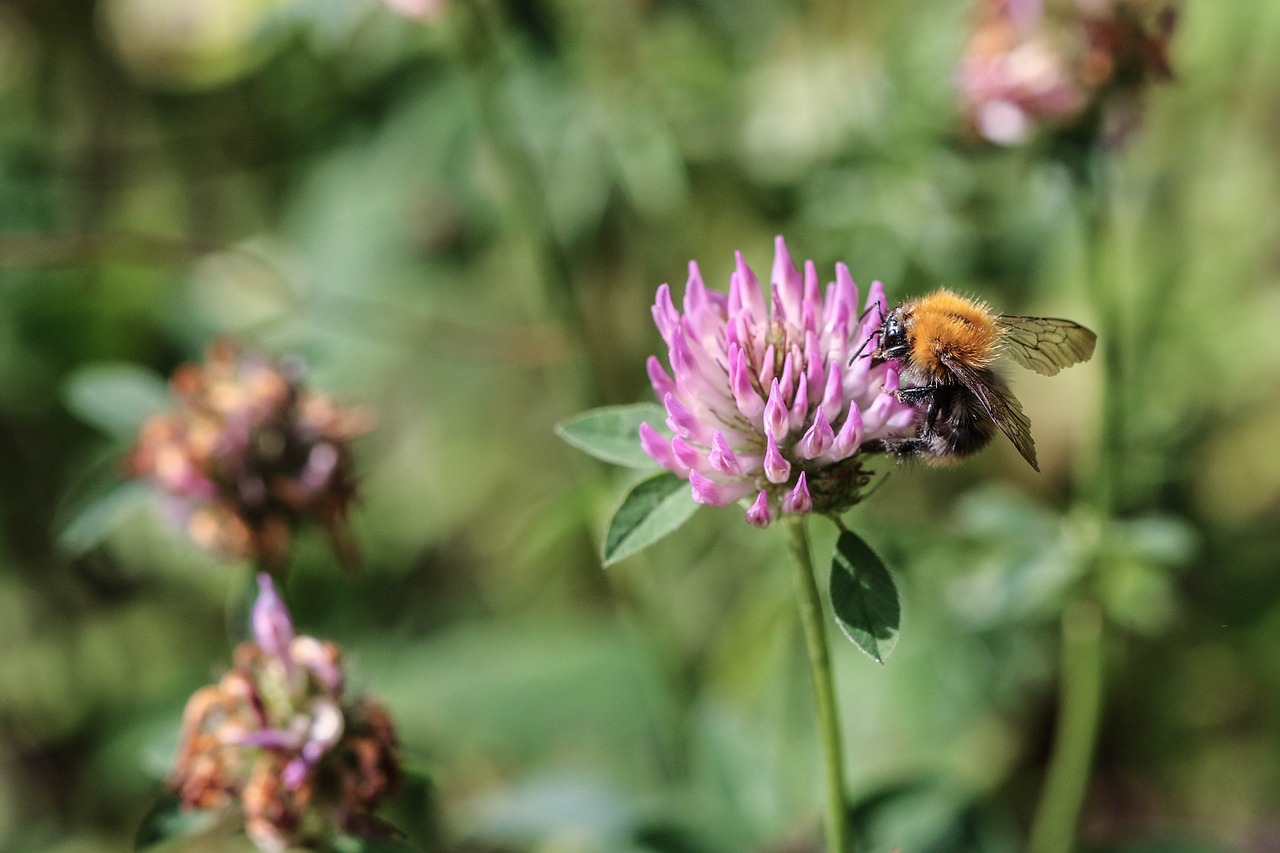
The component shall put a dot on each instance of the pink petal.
(760, 514)
(776, 469)
(768, 366)
(749, 401)
(682, 421)
(658, 378)
(711, 493)
(683, 364)
(776, 416)
(788, 286)
(900, 421)
(838, 342)
(272, 627)
(695, 291)
(818, 439)
(665, 315)
(850, 436)
(798, 499)
(811, 307)
(846, 297)
(882, 410)
(701, 309)
(737, 332)
(688, 456)
(722, 458)
(799, 408)
(832, 395)
(787, 382)
(875, 297)
(744, 291)
(828, 305)
(658, 448)
(814, 369)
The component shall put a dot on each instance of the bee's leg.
(904, 447)
(918, 394)
(922, 394)
(918, 444)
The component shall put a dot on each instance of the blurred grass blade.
(115, 397)
(654, 507)
(864, 597)
(612, 433)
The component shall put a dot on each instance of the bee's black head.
(893, 338)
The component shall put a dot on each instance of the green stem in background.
(815, 635)
(525, 193)
(240, 598)
(1081, 672)
(1080, 703)
(1094, 199)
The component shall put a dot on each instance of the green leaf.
(654, 507)
(864, 597)
(115, 397)
(166, 819)
(413, 810)
(93, 521)
(612, 433)
(926, 813)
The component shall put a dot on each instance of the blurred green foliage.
(460, 223)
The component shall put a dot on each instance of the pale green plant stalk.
(1079, 704)
(1081, 666)
(837, 832)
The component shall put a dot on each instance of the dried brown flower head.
(277, 738)
(248, 454)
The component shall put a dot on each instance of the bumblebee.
(947, 347)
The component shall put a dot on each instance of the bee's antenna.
(858, 354)
(873, 306)
(876, 334)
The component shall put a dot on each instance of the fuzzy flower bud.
(277, 740)
(764, 403)
(247, 455)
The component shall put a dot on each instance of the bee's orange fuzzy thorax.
(946, 323)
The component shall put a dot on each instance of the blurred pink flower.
(763, 400)
(277, 738)
(1025, 68)
(423, 10)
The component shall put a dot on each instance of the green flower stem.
(1080, 701)
(815, 636)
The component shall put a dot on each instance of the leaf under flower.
(652, 508)
(864, 597)
(611, 434)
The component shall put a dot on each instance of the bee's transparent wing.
(1000, 404)
(1044, 344)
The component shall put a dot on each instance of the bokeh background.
(459, 221)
